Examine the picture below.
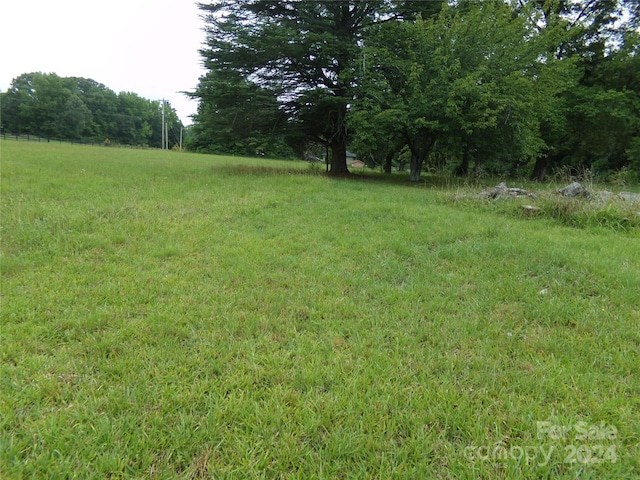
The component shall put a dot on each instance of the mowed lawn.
(168, 315)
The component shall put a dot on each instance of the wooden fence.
(25, 138)
(37, 138)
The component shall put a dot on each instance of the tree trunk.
(416, 166)
(419, 151)
(463, 168)
(326, 158)
(388, 162)
(339, 158)
(540, 169)
(476, 166)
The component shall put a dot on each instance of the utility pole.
(163, 126)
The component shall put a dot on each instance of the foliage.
(73, 108)
(624, 176)
(596, 121)
(305, 53)
(504, 86)
(462, 84)
(238, 117)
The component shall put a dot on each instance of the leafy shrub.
(624, 176)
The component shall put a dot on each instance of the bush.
(624, 176)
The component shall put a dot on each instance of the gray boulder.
(574, 190)
(502, 190)
(604, 195)
(630, 197)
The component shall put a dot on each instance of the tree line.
(71, 108)
(510, 87)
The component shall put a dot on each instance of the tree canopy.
(502, 86)
(72, 108)
(304, 53)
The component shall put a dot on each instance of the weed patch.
(602, 210)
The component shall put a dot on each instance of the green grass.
(168, 315)
(603, 210)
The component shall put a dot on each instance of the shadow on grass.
(312, 169)
(260, 170)
(612, 215)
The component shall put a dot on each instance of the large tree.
(594, 123)
(236, 116)
(491, 81)
(469, 80)
(44, 104)
(304, 52)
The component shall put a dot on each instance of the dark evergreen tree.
(239, 117)
(305, 53)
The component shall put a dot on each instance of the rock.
(602, 197)
(605, 195)
(502, 190)
(530, 209)
(520, 192)
(629, 197)
(574, 190)
(494, 192)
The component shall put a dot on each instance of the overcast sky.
(149, 47)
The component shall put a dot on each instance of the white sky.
(149, 47)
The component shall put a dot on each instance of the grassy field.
(167, 315)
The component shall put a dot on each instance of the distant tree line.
(510, 87)
(71, 108)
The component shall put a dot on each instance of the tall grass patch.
(603, 209)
